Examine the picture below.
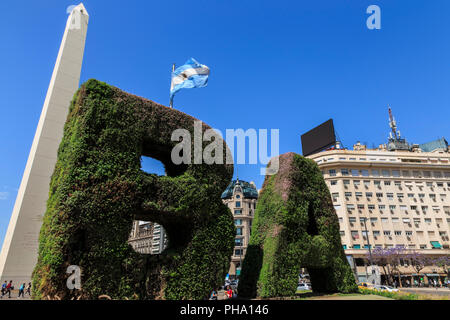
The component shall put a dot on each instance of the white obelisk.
(20, 247)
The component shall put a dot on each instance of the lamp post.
(367, 238)
(368, 245)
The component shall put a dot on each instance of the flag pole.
(171, 100)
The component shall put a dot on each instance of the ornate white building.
(241, 197)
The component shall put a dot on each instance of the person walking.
(9, 288)
(213, 295)
(22, 290)
(229, 293)
(29, 289)
(4, 288)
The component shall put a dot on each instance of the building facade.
(387, 197)
(148, 237)
(241, 197)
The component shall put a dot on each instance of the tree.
(389, 260)
(444, 263)
(418, 260)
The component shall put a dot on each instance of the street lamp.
(367, 238)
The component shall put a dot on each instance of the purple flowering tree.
(389, 260)
(418, 260)
(443, 262)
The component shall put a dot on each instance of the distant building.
(399, 192)
(241, 197)
(148, 237)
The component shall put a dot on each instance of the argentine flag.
(190, 75)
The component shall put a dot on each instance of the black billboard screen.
(318, 138)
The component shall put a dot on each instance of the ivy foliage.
(98, 189)
(295, 226)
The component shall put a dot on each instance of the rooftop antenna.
(393, 125)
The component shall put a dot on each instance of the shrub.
(295, 226)
(98, 189)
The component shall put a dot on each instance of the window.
(348, 194)
(387, 183)
(379, 195)
(410, 195)
(395, 220)
(396, 173)
(239, 242)
(421, 195)
(335, 194)
(381, 207)
(238, 196)
(239, 231)
(376, 233)
(375, 173)
(385, 173)
(390, 196)
(355, 172)
(398, 233)
(342, 233)
(437, 174)
(238, 204)
(344, 172)
(371, 207)
(350, 206)
(238, 252)
(377, 182)
(403, 208)
(238, 222)
(413, 207)
(384, 220)
(365, 173)
(333, 182)
(400, 195)
(367, 183)
(392, 207)
(332, 172)
(346, 182)
(360, 206)
(369, 194)
(237, 211)
(358, 194)
(356, 183)
(356, 246)
(386, 232)
(405, 173)
(427, 174)
(406, 220)
(397, 183)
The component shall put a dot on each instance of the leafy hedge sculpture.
(98, 189)
(295, 226)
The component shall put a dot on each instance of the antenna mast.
(393, 124)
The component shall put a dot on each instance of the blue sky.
(287, 65)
